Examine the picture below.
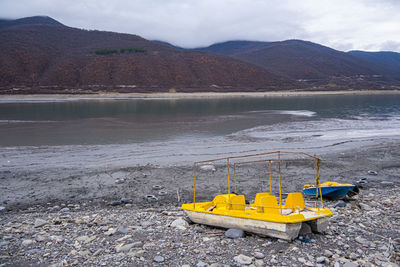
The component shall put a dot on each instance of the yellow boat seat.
(221, 202)
(229, 201)
(238, 202)
(295, 201)
(266, 203)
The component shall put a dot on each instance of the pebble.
(126, 200)
(234, 233)
(124, 248)
(328, 253)
(2, 209)
(320, 259)
(208, 167)
(350, 264)
(115, 203)
(64, 210)
(365, 206)
(340, 204)
(243, 259)
(180, 224)
(360, 240)
(122, 230)
(27, 242)
(159, 259)
(258, 255)
(39, 222)
(259, 263)
(201, 264)
(4, 243)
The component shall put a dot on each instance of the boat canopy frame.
(274, 156)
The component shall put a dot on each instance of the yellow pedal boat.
(268, 215)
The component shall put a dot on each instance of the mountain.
(387, 63)
(29, 20)
(294, 59)
(40, 55)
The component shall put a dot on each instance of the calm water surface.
(133, 121)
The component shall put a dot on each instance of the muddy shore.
(63, 97)
(29, 185)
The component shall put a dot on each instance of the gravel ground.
(75, 224)
(363, 233)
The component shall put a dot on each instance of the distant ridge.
(28, 21)
(387, 62)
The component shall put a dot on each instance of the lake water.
(135, 131)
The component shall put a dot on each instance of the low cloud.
(341, 24)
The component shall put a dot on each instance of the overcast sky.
(341, 24)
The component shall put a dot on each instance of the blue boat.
(331, 190)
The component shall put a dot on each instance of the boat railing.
(268, 158)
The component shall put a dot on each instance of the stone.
(360, 240)
(122, 230)
(2, 209)
(234, 233)
(305, 229)
(259, 263)
(302, 260)
(320, 259)
(115, 203)
(110, 231)
(146, 224)
(124, 248)
(39, 222)
(387, 183)
(27, 242)
(159, 259)
(353, 256)
(336, 264)
(123, 238)
(243, 259)
(64, 210)
(208, 167)
(126, 200)
(201, 264)
(350, 264)
(365, 206)
(328, 253)
(340, 204)
(258, 255)
(138, 253)
(4, 243)
(180, 224)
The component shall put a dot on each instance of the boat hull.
(286, 231)
(333, 192)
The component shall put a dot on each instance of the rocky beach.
(112, 224)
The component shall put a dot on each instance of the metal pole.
(234, 173)
(229, 178)
(194, 185)
(270, 179)
(280, 190)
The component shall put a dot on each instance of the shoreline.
(200, 95)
